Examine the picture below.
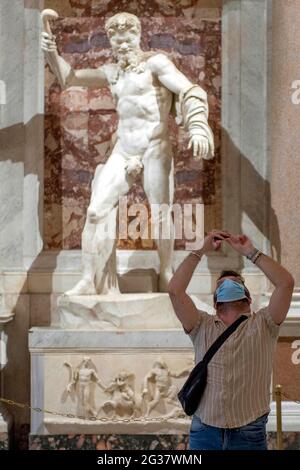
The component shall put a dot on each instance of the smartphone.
(218, 238)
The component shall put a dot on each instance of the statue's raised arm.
(66, 75)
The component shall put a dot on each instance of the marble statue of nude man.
(146, 87)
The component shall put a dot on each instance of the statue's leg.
(86, 286)
(152, 404)
(86, 400)
(158, 185)
(106, 272)
(108, 185)
(171, 395)
(81, 406)
(110, 182)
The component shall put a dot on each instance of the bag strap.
(222, 338)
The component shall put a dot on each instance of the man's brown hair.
(229, 272)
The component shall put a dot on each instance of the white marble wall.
(34, 135)
(245, 108)
(21, 181)
(21, 69)
(12, 133)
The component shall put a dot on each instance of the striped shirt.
(239, 374)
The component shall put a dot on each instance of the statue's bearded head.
(124, 33)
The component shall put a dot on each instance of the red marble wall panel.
(186, 8)
(79, 122)
(287, 368)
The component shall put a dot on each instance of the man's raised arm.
(282, 280)
(67, 76)
(184, 307)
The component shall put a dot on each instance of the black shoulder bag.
(191, 392)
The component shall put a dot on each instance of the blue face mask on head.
(229, 291)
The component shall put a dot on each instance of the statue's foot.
(83, 287)
(164, 279)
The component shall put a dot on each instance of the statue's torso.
(162, 378)
(84, 375)
(143, 106)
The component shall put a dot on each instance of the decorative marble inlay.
(287, 367)
(185, 8)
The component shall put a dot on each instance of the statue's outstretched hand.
(48, 42)
(200, 146)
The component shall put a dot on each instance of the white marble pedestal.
(114, 365)
(57, 354)
(120, 312)
(117, 311)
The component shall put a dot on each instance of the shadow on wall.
(253, 198)
(22, 156)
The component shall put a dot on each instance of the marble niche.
(113, 364)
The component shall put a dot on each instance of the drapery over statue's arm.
(191, 105)
(192, 114)
(65, 74)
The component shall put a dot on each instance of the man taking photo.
(233, 410)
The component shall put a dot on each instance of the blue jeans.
(252, 436)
